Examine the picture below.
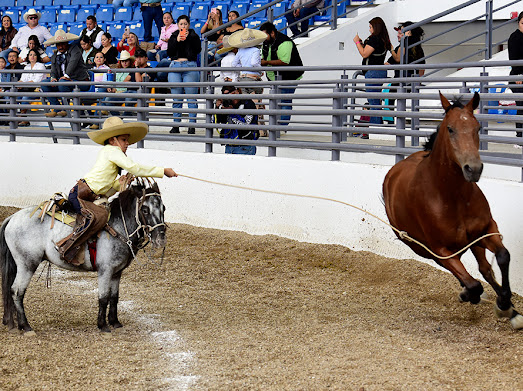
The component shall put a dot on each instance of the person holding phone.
(214, 20)
(132, 42)
(183, 49)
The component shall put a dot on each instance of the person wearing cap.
(302, 9)
(67, 66)
(140, 61)
(102, 180)
(31, 17)
(415, 53)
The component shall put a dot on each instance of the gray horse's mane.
(134, 190)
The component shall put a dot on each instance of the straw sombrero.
(247, 38)
(114, 126)
(226, 45)
(61, 36)
(30, 12)
(125, 55)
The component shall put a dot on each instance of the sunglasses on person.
(32, 17)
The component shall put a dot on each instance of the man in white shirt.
(32, 28)
(93, 31)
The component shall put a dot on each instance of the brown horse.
(432, 196)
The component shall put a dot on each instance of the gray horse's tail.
(8, 270)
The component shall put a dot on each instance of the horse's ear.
(473, 103)
(444, 101)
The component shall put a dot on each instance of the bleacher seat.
(123, 14)
(137, 28)
(62, 2)
(137, 14)
(199, 11)
(256, 5)
(53, 28)
(241, 8)
(15, 14)
(25, 3)
(85, 11)
(98, 2)
(43, 3)
(197, 26)
(180, 9)
(279, 9)
(167, 8)
(81, 2)
(76, 28)
(222, 6)
(105, 13)
(255, 23)
(67, 14)
(49, 14)
(280, 23)
(115, 28)
(326, 15)
(8, 3)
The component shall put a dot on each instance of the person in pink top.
(160, 50)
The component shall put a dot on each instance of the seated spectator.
(33, 43)
(31, 17)
(29, 76)
(237, 119)
(125, 61)
(132, 42)
(3, 78)
(88, 51)
(228, 76)
(214, 20)
(160, 50)
(141, 62)
(99, 63)
(12, 63)
(302, 9)
(7, 33)
(93, 31)
(235, 26)
(109, 51)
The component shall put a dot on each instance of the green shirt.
(284, 53)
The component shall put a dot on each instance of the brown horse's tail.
(8, 269)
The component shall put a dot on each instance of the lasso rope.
(401, 234)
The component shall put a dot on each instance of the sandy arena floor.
(231, 311)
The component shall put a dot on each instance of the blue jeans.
(110, 101)
(149, 14)
(303, 24)
(61, 86)
(286, 118)
(165, 63)
(185, 77)
(124, 3)
(241, 149)
(375, 101)
(160, 53)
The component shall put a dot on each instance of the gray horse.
(137, 217)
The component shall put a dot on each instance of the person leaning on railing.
(515, 52)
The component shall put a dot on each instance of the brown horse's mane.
(432, 138)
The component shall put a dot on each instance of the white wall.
(33, 172)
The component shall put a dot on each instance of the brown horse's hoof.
(105, 329)
(517, 322)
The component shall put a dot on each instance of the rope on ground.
(402, 234)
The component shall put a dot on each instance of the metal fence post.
(273, 118)
(488, 35)
(344, 100)
(141, 115)
(483, 90)
(270, 14)
(400, 121)
(414, 122)
(337, 121)
(76, 126)
(209, 104)
(334, 15)
(12, 112)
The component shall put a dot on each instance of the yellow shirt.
(102, 177)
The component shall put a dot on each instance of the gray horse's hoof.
(517, 322)
(503, 313)
(30, 334)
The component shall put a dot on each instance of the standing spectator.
(160, 50)
(93, 31)
(151, 11)
(183, 49)
(7, 33)
(279, 50)
(67, 67)
(228, 76)
(515, 52)
(373, 51)
(302, 9)
(237, 119)
(30, 76)
(32, 43)
(109, 51)
(132, 42)
(125, 61)
(124, 3)
(31, 17)
(88, 51)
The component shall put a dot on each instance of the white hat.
(226, 45)
(61, 36)
(30, 12)
(125, 55)
(247, 38)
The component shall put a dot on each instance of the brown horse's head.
(460, 131)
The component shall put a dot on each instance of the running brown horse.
(432, 196)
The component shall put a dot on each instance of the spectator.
(31, 17)
(279, 50)
(151, 11)
(413, 54)
(7, 33)
(132, 42)
(30, 76)
(125, 61)
(93, 31)
(67, 67)
(515, 52)
(124, 3)
(109, 51)
(302, 9)
(373, 51)
(228, 76)
(183, 49)
(13, 63)
(160, 50)
(232, 15)
(33, 43)
(88, 51)
(99, 63)
(214, 20)
(3, 78)
(237, 119)
(141, 62)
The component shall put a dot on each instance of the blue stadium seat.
(85, 11)
(115, 28)
(76, 28)
(43, 3)
(241, 8)
(255, 23)
(99, 2)
(137, 14)
(199, 11)
(208, 3)
(25, 3)
(80, 2)
(222, 6)
(8, 3)
(167, 7)
(62, 2)
(280, 23)
(105, 13)
(326, 15)
(254, 6)
(197, 25)
(180, 9)
(123, 14)
(67, 14)
(57, 26)
(280, 8)
(137, 28)
(49, 14)
(15, 14)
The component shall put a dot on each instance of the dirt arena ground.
(230, 311)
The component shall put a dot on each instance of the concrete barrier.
(33, 172)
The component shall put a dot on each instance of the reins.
(402, 234)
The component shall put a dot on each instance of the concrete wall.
(33, 172)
